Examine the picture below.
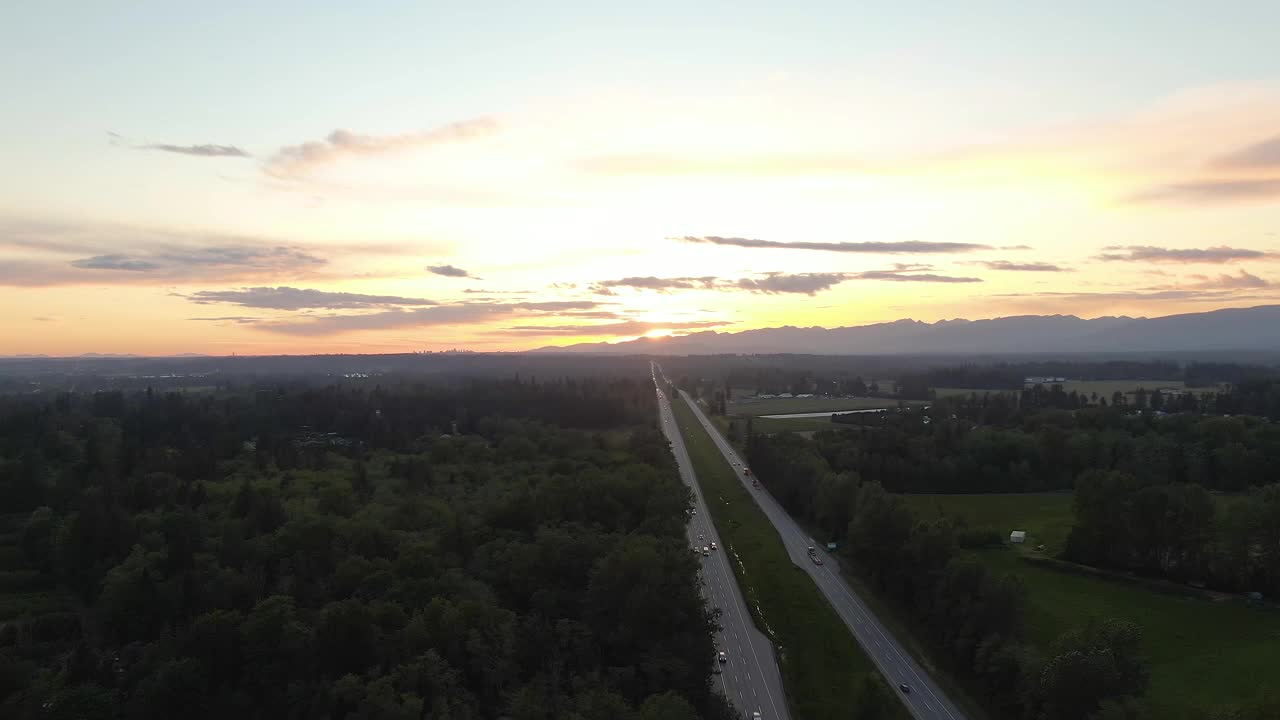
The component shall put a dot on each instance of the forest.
(1142, 485)
(349, 551)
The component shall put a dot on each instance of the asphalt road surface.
(750, 677)
(925, 700)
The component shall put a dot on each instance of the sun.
(658, 332)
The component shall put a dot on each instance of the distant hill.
(1256, 328)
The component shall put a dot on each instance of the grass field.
(780, 406)
(1201, 653)
(1047, 517)
(822, 665)
(776, 425)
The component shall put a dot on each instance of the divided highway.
(923, 699)
(749, 677)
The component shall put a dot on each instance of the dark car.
(904, 688)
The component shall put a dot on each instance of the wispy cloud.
(198, 150)
(115, 262)
(914, 277)
(656, 283)
(906, 246)
(201, 150)
(805, 283)
(1209, 191)
(1242, 280)
(439, 315)
(778, 283)
(450, 271)
(1261, 155)
(63, 254)
(1149, 253)
(616, 329)
(290, 298)
(1020, 267)
(294, 162)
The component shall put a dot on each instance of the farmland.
(782, 406)
(1045, 516)
(1190, 670)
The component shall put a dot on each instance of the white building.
(1018, 536)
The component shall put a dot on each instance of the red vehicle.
(746, 471)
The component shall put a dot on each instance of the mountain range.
(1255, 328)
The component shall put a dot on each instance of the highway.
(750, 677)
(925, 701)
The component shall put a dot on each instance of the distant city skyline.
(391, 177)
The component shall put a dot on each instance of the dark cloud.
(1242, 280)
(1210, 191)
(115, 262)
(199, 150)
(552, 305)
(617, 329)
(290, 298)
(1150, 253)
(805, 283)
(655, 283)
(906, 246)
(297, 161)
(450, 271)
(773, 283)
(1020, 267)
(895, 276)
(1261, 155)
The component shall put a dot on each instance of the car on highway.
(756, 716)
(705, 551)
(905, 688)
(722, 657)
(713, 546)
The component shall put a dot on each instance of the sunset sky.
(386, 177)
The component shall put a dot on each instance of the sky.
(324, 177)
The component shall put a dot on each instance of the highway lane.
(925, 701)
(750, 678)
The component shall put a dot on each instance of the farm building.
(1018, 536)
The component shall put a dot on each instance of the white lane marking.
(738, 600)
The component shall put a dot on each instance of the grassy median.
(823, 667)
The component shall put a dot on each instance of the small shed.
(1018, 536)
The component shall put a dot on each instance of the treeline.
(989, 444)
(973, 617)
(406, 552)
(1176, 530)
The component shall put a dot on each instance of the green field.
(1047, 517)
(781, 406)
(1201, 652)
(777, 425)
(822, 665)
